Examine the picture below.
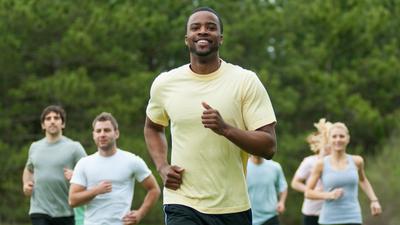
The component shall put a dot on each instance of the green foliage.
(383, 171)
(324, 58)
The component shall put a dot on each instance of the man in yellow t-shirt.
(217, 111)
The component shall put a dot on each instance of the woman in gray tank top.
(340, 174)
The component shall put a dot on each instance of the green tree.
(323, 58)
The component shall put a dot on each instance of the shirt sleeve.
(78, 176)
(141, 169)
(305, 168)
(257, 106)
(79, 152)
(155, 109)
(29, 163)
(281, 180)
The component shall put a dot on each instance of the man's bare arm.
(79, 196)
(27, 180)
(153, 192)
(158, 148)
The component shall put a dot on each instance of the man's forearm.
(149, 201)
(156, 143)
(82, 197)
(261, 142)
(283, 196)
(27, 176)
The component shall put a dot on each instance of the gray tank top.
(347, 208)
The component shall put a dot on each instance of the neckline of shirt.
(210, 76)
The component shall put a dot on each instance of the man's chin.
(205, 52)
(53, 132)
(202, 53)
(105, 148)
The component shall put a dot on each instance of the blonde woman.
(340, 174)
(312, 208)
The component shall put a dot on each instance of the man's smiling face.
(203, 35)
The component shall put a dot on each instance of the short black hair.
(209, 10)
(53, 108)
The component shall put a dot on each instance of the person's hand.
(336, 193)
(376, 208)
(68, 174)
(28, 187)
(280, 208)
(171, 176)
(104, 187)
(133, 217)
(213, 120)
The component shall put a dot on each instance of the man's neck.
(53, 138)
(256, 160)
(107, 153)
(205, 65)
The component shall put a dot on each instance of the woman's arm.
(366, 186)
(298, 184)
(310, 193)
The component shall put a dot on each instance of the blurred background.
(333, 59)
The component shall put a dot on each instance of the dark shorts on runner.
(344, 224)
(273, 221)
(310, 220)
(179, 214)
(43, 219)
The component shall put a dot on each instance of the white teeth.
(202, 41)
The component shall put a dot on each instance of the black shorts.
(345, 224)
(310, 220)
(183, 215)
(43, 219)
(273, 221)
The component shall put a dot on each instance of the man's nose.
(202, 30)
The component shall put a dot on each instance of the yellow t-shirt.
(214, 179)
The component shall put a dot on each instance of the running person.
(267, 189)
(318, 140)
(49, 169)
(104, 181)
(340, 174)
(216, 110)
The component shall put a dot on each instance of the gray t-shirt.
(50, 190)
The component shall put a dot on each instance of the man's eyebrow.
(194, 24)
(207, 23)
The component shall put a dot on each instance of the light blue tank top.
(347, 208)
